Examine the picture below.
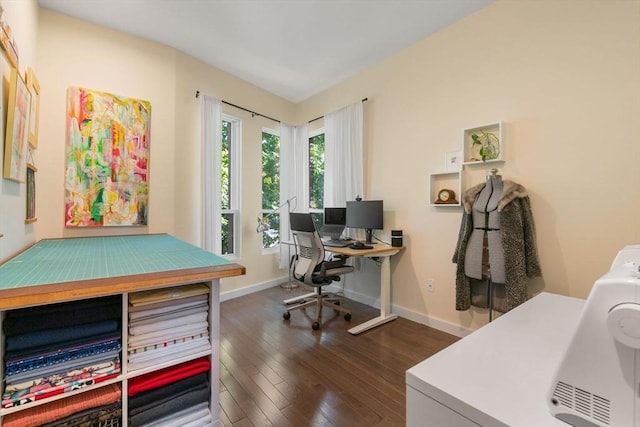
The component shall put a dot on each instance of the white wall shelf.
(439, 181)
(493, 135)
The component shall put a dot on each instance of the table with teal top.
(55, 270)
(59, 270)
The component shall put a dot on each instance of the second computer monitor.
(366, 214)
(335, 220)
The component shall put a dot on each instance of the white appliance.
(598, 380)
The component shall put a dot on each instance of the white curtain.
(294, 181)
(211, 163)
(343, 155)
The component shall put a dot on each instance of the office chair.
(311, 268)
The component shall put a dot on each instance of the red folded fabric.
(58, 409)
(168, 375)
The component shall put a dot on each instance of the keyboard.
(339, 243)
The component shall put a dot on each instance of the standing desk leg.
(385, 300)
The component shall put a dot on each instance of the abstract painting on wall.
(107, 159)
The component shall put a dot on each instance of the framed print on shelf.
(17, 135)
(453, 161)
(34, 116)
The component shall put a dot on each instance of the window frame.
(317, 213)
(235, 154)
(277, 211)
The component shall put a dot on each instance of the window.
(316, 178)
(230, 187)
(271, 187)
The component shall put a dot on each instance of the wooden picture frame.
(8, 49)
(34, 115)
(30, 217)
(16, 140)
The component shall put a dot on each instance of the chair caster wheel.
(315, 326)
(347, 317)
(286, 315)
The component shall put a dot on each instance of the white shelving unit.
(198, 268)
(493, 133)
(439, 181)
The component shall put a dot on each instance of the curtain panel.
(343, 155)
(294, 179)
(211, 239)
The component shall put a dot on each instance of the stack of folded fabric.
(58, 348)
(167, 324)
(174, 396)
(97, 407)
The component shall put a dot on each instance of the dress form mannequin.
(496, 249)
(484, 259)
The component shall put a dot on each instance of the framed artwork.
(31, 194)
(453, 161)
(8, 49)
(17, 134)
(107, 159)
(34, 116)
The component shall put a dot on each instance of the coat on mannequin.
(496, 251)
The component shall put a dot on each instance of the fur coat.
(518, 241)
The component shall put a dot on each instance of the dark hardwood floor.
(282, 373)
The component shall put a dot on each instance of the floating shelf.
(491, 135)
(445, 181)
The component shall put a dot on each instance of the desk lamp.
(264, 226)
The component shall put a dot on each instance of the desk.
(379, 250)
(385, 252)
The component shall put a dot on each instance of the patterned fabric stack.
(167, 324)
(58, 348)
(175, 396)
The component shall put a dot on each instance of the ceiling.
(291, 48)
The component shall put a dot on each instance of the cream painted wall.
(565, 78)
(77, 53)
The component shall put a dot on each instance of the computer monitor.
(335, 220)
(367, 214)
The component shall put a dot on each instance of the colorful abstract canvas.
(107, 159)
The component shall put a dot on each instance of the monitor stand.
(369, 233)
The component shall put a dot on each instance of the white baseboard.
(225, 296)
(432, 322)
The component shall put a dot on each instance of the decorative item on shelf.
(446, 197)
(453, 161)
(484, 144)
(488, 145)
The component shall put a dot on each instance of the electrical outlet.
(430, 285)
